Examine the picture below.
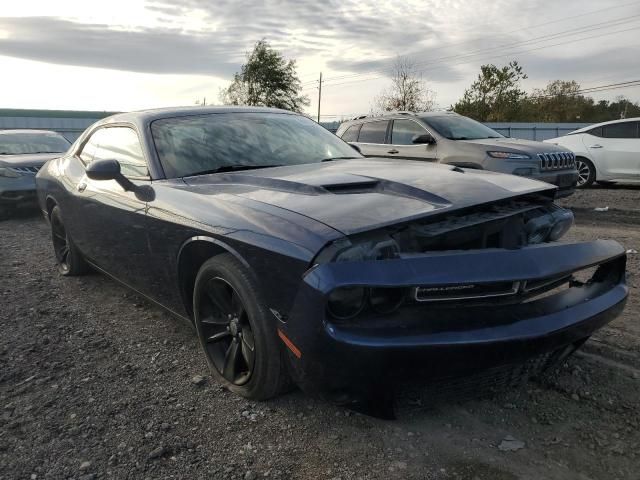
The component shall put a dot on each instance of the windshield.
(228, 141)
(32, 142)
(455, 127)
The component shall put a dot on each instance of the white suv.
(447, 137)
(606, 152)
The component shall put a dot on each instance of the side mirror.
(424, 139)
(109, 170)
(355, 147)
(104, 170)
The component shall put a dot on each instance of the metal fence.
(72, 123)
(535, 131)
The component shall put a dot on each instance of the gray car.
(22, 153)
(450, 138)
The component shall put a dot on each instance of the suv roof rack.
(398, 112)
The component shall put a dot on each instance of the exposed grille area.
(26, 170)
(557, 160)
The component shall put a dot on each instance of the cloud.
(158, 50)
(224, 30)
(204, 37)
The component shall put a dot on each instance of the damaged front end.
(451, 295)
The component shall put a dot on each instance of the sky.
(118, 55)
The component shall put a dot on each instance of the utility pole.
(319, 95)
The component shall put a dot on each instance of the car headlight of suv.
(8, 173)
(549, 227)
(509, 155)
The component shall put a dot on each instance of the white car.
(605, 152)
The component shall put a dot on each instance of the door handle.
(393, 151)
(81, 187)
(596, 146)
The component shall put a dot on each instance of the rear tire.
(6, 212)
(68, 258)
(236, 330)
(586, 172)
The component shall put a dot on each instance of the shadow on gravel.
(21, 214)
(615, 186)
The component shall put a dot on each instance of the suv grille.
(557, 160)
(26, 170)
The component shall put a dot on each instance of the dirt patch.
(97, 383)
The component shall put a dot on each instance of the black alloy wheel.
(237, 331)
(60, 243)
(586, 172)
(68, 257)
(227, 331)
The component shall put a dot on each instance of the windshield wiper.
(230, 168)
(331, 159)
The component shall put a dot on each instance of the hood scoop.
(367, 186)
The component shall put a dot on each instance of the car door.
(403, 132)
(615, 149)
(372, 138)
(112, 221)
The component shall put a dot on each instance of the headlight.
(386, 300)
(550, 226)
(563, 222)
(346, 302)
(509, 155)
(376, 246)
(8, 173)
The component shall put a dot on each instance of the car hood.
(516, 145)
(363, 194)
(28, 159)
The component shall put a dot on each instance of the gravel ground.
(97, 383)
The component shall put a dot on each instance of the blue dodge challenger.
(297, 259)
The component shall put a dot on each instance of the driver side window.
(117, 143)
(89, 150)
(404, 130)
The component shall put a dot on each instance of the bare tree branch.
(408, 91)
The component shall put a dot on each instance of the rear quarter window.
(620, 130)
(373, 132)
(351, 133)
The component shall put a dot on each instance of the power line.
(568, 33)
(600, 88)
(501, 54)
(597, 89)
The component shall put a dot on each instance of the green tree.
(267, 79)
(495, 96)
(560, 101)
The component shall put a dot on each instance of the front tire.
(586, 172)
(68, 258)
(236, 331)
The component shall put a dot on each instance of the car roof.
(148, 116)
(610, 122)
(397, 115)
